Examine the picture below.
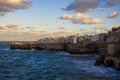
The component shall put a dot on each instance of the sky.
(30, 20)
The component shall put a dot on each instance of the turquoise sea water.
(51, 65)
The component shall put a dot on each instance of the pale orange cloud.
(81, 18)
(66, 16)
(96, 30)
(13, 5)
(18, 32)
(112, 15)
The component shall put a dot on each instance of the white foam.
(98, 70)
(63, 53)
(5, 49)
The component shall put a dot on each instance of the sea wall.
(110, 54)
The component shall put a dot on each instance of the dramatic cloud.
(80, 18)
(12, 5)
(89, 5)
(111, 3)
(82, 5)
(112, 15)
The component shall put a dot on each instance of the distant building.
(97, 37)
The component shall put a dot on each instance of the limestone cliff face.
(54, 47)
(23, 45)
(113, 42)
(110, 54)
(83, 47)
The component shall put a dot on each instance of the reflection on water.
(51, 65)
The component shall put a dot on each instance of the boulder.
(116, 63)
(108, 61)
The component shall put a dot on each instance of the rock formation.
(23, 45)
(110, 53)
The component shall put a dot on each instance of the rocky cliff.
(110, 53)
(83, 47)
(23, 45)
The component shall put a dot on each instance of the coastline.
(108, 48)
(71, 48)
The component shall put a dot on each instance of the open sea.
(51, 65)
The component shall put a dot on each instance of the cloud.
(10, 27)
(66, 16)
(100, 9)
(81, 18)
(35, 30)
(11, 32)
(62, 34)
(111, 3)
(98, 30)
(112, 15)
(2, 13)
(95, 30)
(82, 5)
(31, 27)
(13, 5)
(46, 24)
(64, 30)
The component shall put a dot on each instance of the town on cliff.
(107, 45)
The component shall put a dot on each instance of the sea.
(51, 65)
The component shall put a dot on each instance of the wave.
(63, 53)
(24, 50)
(5, 49)
(89, 67)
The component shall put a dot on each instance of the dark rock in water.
(117, 64)
(102, 54)
(38, 48)
(98, 62)
(108, 61)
